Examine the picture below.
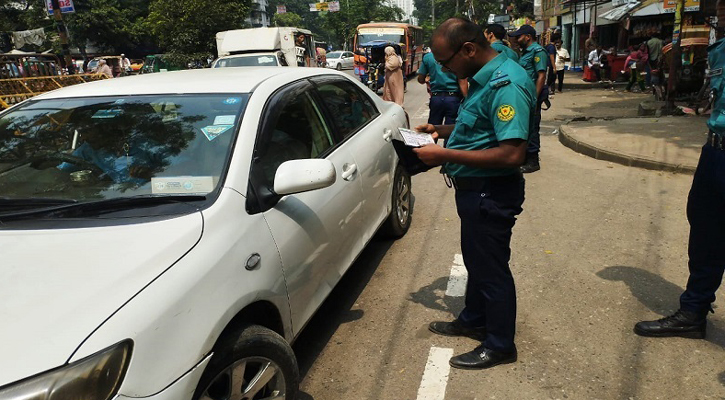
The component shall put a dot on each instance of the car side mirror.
(297, 176)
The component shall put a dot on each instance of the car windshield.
(389, 37)
(247, 61)
(334, 54)
(89, 149)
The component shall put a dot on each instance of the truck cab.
(276, 46)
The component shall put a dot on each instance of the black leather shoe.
(682, 323)
(482, 358)
(454, 328)
(531, 164)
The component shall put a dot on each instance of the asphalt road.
(598, 247)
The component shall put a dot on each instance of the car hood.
(59, 285)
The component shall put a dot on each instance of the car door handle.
(348, 171)
(388, 134)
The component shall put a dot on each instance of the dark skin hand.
(508, 154)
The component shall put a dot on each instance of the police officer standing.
(447, 91)
(484, 151)
(494, 34)
(706, 214)
(534, 60)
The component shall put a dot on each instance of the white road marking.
(435, 376)
(458, 279)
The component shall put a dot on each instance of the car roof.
(207, 80)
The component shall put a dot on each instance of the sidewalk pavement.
(603, 124)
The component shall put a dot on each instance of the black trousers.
(487, 217)
(706, 214)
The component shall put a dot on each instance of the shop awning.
(653, 8)
(619, 12)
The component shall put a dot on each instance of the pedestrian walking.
(635, 63)
(654, 48)
(447, 91)
(495, 34)
(562, 57)
(706, 214)
(484, 150)
(551, 63)
(534, 60)
(393, 89)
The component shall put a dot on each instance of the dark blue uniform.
(706, 202)
(535, 59)
(499, 104)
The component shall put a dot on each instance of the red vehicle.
(410, 38)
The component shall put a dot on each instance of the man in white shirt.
(595, 62)
(562, 56)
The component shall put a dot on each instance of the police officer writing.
(484, 150)
(494, 34)
(706, 214)
(447, 91)
(534, 60)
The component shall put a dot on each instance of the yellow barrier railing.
(15, 90)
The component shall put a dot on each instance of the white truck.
(277, 46)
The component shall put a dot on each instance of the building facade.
(408, 7)
(258, 17)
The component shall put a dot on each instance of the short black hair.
(456, 31)
(497, 30)
(555, 36)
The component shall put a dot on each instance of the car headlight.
(96, 377)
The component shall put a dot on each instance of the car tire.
(400, 217)
(338, 67)
(252, 352)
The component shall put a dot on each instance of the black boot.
(531, 164)
(682, 323)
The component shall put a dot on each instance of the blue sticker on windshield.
(107, 113)
(211, 132)
(232, 100)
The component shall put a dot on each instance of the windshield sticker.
(224, 120)
(211, 132)
(232, 100)
(119, 101)
(182, 184)
(107, 113)
(266, 60)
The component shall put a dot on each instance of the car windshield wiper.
(105, 205)
(11, 203)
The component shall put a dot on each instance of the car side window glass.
(349, 107)
(298, 131)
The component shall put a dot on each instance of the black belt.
(453, 94)
(715, 140)
(476, 184)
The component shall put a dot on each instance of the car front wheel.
(254, 364)
(400, 216)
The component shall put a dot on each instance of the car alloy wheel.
(338, 67)
(250, 363)
(402, 200)
(400, 216)
(251, 378)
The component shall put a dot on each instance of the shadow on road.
(658, 294)
(721, 378)
(337, 309)
(434, 297)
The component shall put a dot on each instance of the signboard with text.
(331, 6)
(66, 6)
(669, 6)
(281, 9)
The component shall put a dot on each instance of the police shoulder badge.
(505, 112)
(537, 59)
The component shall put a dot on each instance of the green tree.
(288, 19)
(186, 29)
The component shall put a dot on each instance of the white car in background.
(340, 60)
(167, 236)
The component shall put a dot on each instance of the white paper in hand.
(414, 138)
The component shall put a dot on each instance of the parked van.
(276, 46)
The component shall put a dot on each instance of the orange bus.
(410, 38)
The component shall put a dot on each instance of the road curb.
(567, 139)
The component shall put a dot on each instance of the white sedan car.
(340, 59)
(167, 236)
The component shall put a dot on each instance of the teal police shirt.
(501, 99)
(534, 59)
(440, 81)
(503, 49)
(716, 59)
